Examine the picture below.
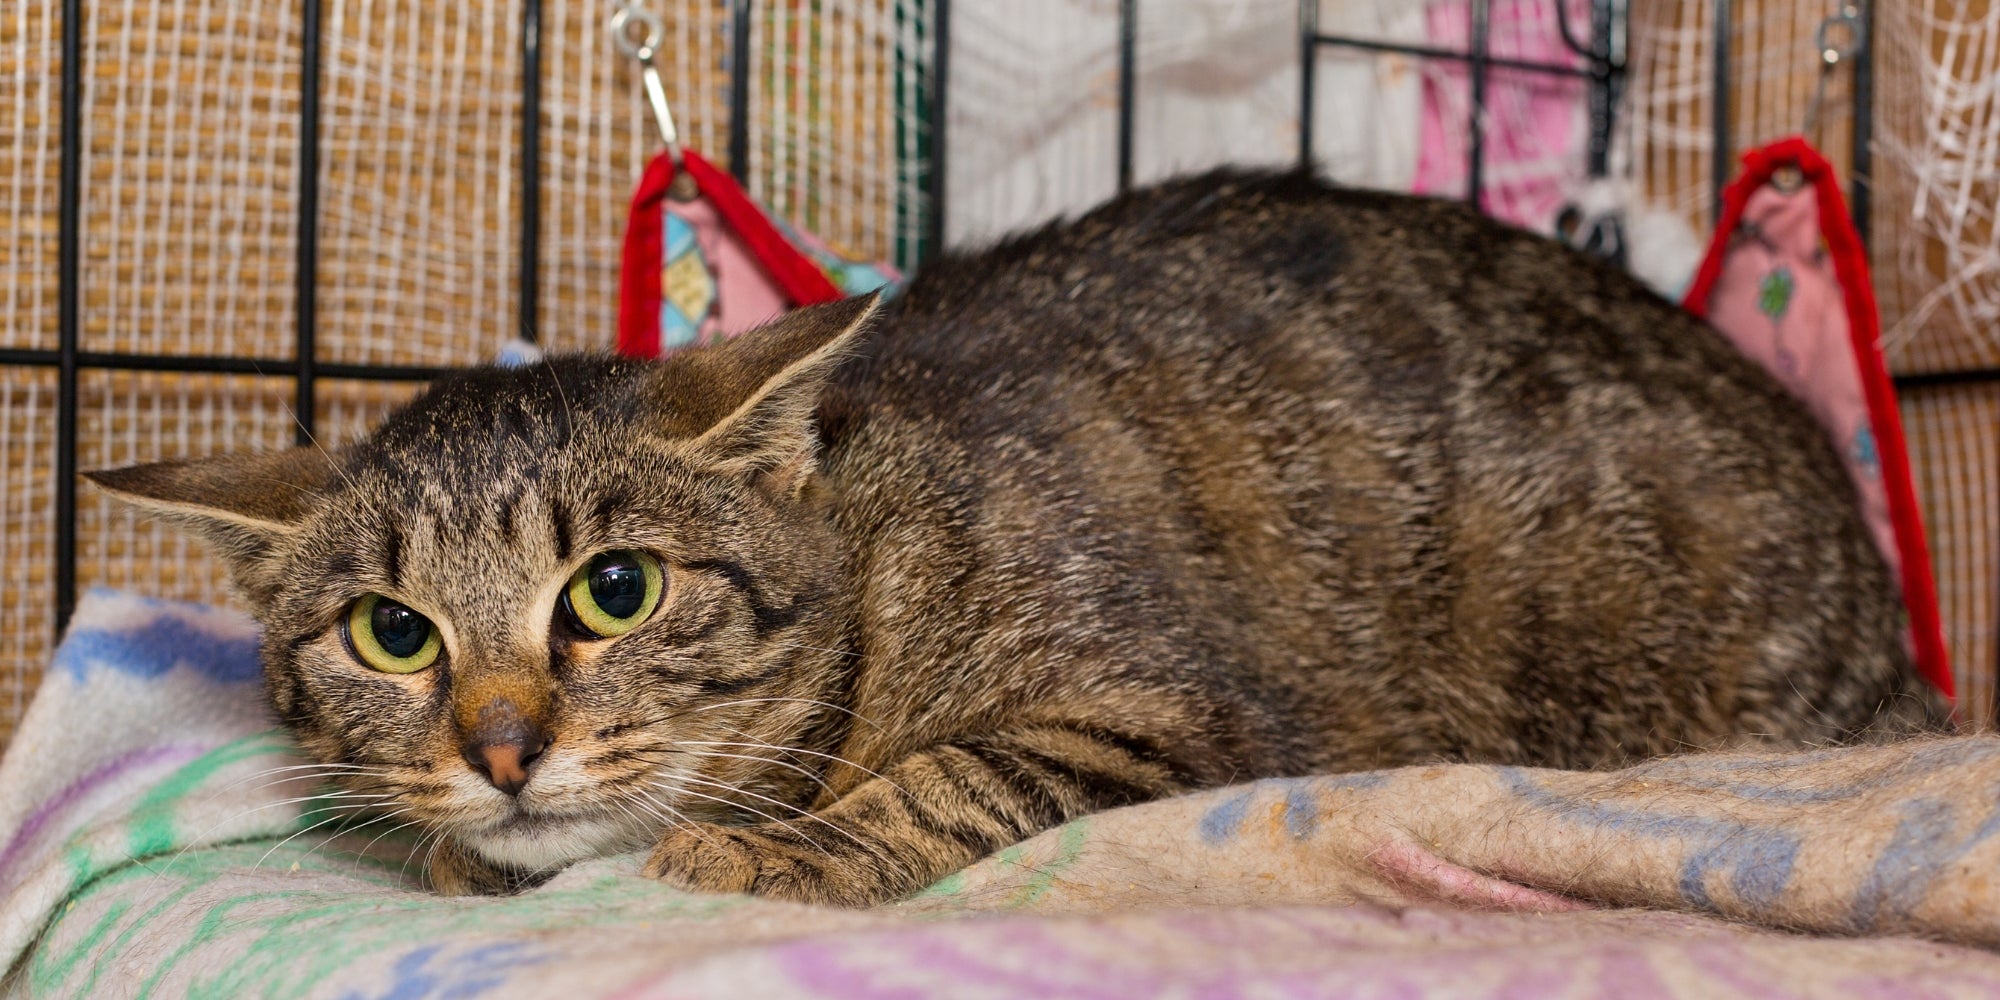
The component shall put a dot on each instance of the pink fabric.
(745, 295)
(1533, 120)
(1778, 299)
(1837, 249)
(648, 279)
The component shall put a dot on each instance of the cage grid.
(246, 226)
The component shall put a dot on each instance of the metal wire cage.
(280, 177)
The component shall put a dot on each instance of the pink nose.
(504, 746)
(506, 766)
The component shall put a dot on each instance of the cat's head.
(551, 610)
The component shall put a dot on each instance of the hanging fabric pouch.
(1786, 279)
(702, 260)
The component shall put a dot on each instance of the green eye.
(390, 637)
(614, 592)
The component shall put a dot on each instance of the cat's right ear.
(245, 506)
(746, 405)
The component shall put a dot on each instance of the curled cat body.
(1237, 476)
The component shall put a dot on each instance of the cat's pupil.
(618, 586)
(400, 631)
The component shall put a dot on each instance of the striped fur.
(1235, 477)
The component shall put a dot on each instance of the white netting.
(1939, 143)
(1034, 117)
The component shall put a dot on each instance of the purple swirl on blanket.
(100, 776)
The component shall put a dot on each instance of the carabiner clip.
(1831, 54)
(644, 48)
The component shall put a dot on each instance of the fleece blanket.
(152, 843)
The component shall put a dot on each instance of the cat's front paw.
(766, 861)
(454, 870)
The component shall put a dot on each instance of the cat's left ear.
(771, 379)
(245, 506)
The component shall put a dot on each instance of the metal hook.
(643, 48)
(1833, 52)
(643, 45)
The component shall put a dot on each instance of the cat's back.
(1260, 277)
(1388, 455)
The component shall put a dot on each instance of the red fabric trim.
(795, 274)
(1850, 265)
(639, 264)
(797, 277)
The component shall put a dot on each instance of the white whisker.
(803, 813)
(836, 758)
(429, 835)
(197, 840)
(674, 817)
(324, 768)
(749, 809)
(353, 808)
(436, 843)
(638, 819)
(803, 701)
(744, 756)
(404, 825)
(343, 831)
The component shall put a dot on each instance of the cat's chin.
(531, 843)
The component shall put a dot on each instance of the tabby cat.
(1237, 476)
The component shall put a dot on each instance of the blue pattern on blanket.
(459, 976)
(153, 646)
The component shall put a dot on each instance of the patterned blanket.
(155, 845)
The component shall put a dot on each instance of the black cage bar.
(305, 368)
(1603, 70)
(69, 306)
(305, 271)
